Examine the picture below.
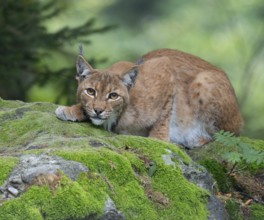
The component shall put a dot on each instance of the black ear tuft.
(83, 68)
(139, 61)
(129, 78)
(81, 50)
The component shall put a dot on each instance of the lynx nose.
(98, 111)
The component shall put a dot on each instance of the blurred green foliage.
(229, 34)
(25, 41)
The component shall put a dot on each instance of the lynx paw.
(62, 114)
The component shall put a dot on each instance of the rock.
(55, 169)
(198, 175)
(110, 211)
(32, 167)
(12, 190)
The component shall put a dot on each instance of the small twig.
(232, 169)
(235, 171)
(251, 197)
(213, 186)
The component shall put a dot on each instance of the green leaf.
(152, 168)
(247, 153)
(233, 157)
(227, 138)
(244, 146)
(253, 156)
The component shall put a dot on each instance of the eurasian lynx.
(168, 94)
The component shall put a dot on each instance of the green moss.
(257, 212)
(219, 173)
(18, 210)
(186, 200)
(71, 201)
(115, 169)
(68, 201)
(133, 201)
(6, 166)
(167, 180)
(128, 197)
(154, 148)
(95, 184)
(33, 124)
(233, 210)
(137, 164)
(6, 105)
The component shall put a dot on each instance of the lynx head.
(103, 95)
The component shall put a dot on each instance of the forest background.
(39, 41)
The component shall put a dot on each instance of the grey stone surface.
(110, 211)
(31, 166)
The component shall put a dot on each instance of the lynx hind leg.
(161, 128)
(214, 103)
(71, 113)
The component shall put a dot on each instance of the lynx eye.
(90, 91)
(113, 96)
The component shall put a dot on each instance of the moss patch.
(68, 201)
(233, 210)
(182, 195)
(128, 193)
(34, 124)
(257, 212)
(6, 166)
(19, 210)
(219, 173)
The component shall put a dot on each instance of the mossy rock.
(127, 176)
(219, 173)
(244, 183)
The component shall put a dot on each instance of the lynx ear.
(83, 68)
(129, 77)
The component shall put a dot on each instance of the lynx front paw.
(62, 113)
